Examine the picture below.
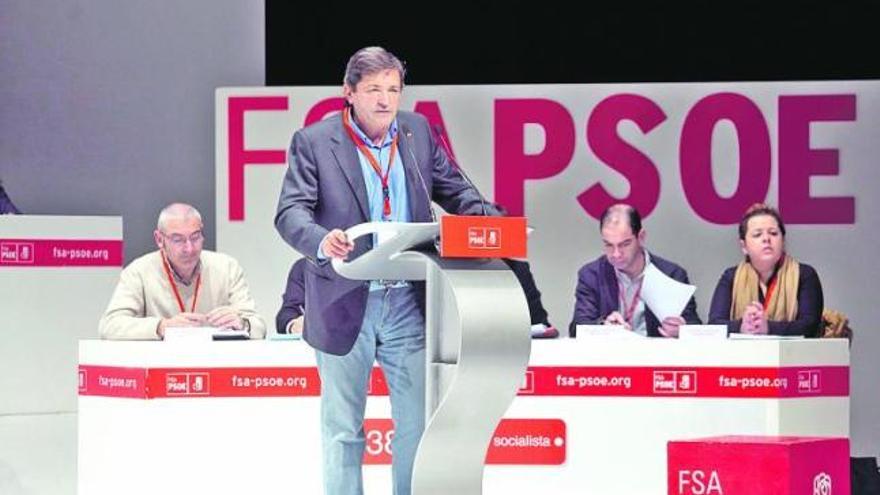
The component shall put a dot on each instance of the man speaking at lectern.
(370, 163)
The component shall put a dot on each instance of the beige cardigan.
(144, 296)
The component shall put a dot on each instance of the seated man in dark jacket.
(608, 289)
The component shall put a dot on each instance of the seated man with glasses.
(180, 285)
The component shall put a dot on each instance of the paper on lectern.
(664, 295)
(760, 336)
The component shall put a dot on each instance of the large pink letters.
(798, 162)
(638, 169)
(238, 156)
(696, 157)
(513, 167)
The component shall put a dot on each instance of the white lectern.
(477, 348)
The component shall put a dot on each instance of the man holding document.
(180, 285)
(630, 287)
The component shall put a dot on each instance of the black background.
(539, 42)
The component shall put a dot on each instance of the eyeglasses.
(179, 240)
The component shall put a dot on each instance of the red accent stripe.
(530, 441)
(28, 253)
(113, 381)
(161, 383)
(738, 382)
(584, 381)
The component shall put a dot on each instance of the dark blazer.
(294, 299)
(324, 189)
(809, 297)
(597, 294)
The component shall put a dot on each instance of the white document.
(718, 332)
(761, 336)
(604, 331)
(189, 334)
(664, 295)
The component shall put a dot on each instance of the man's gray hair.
(371, 60)
(181, 211)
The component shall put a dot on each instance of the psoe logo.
(198, 383)
(809, 381)
(8, 252)
(675, 382)
(21, 253)
(26, 252)
(484, 238)
(17, 253)
(699, 482)
(822, 484)
(187, 384)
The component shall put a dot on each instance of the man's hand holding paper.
(666, 298)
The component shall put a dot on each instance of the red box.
(483, 237)
(758, 465)
(524, 441)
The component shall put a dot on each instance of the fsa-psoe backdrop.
(691, 156)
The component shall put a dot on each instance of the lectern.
(477, 338)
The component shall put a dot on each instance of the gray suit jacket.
(324, 189)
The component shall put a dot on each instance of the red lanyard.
(386, 196)
(770, 290)
(176, 291)
(630, 309)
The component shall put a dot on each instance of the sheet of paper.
(590, 331)
(759, 336)
(702, 332)
(189, 334)
(664, 295)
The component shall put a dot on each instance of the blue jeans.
(393, 333)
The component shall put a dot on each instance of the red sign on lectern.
(482, 237)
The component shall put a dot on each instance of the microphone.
(438, 131)
(408, 133)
